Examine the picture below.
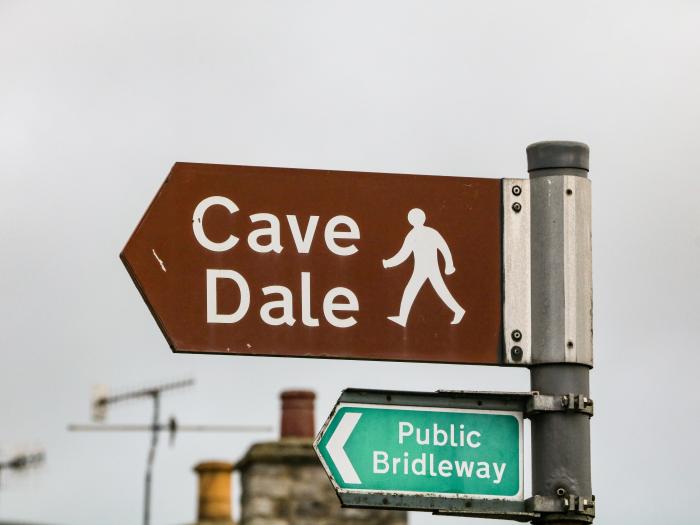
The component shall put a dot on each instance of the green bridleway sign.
(436, 450)
(425, 451)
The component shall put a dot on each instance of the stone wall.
(283, 483)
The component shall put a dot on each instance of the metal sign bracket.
(571, 506)
(517, 309)
(577, 403)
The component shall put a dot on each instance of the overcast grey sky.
(99, 98)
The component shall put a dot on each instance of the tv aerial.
(101, 399)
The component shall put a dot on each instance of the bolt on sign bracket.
(577, 403)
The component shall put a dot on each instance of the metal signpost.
(562, 327)
(328, 264)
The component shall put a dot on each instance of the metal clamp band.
(539, 403)
(566, 504)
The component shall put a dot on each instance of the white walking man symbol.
(424, 243)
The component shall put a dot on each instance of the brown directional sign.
(312, 263)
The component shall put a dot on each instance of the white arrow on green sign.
(451, 452)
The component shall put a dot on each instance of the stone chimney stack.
(214, 503)
(297, 414)
(284, 483)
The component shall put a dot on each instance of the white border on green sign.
(517, 415)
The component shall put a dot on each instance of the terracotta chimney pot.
(214, 503)
(297, 414)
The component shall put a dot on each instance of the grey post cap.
(557, 154)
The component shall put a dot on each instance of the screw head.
(517, 207)
(561, 491)
(516, 335)
(517, 190)
(516, 353)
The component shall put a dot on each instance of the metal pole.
(561, 327)
(151, 457)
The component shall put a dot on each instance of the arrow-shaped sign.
(411, 449)
(244, 260)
